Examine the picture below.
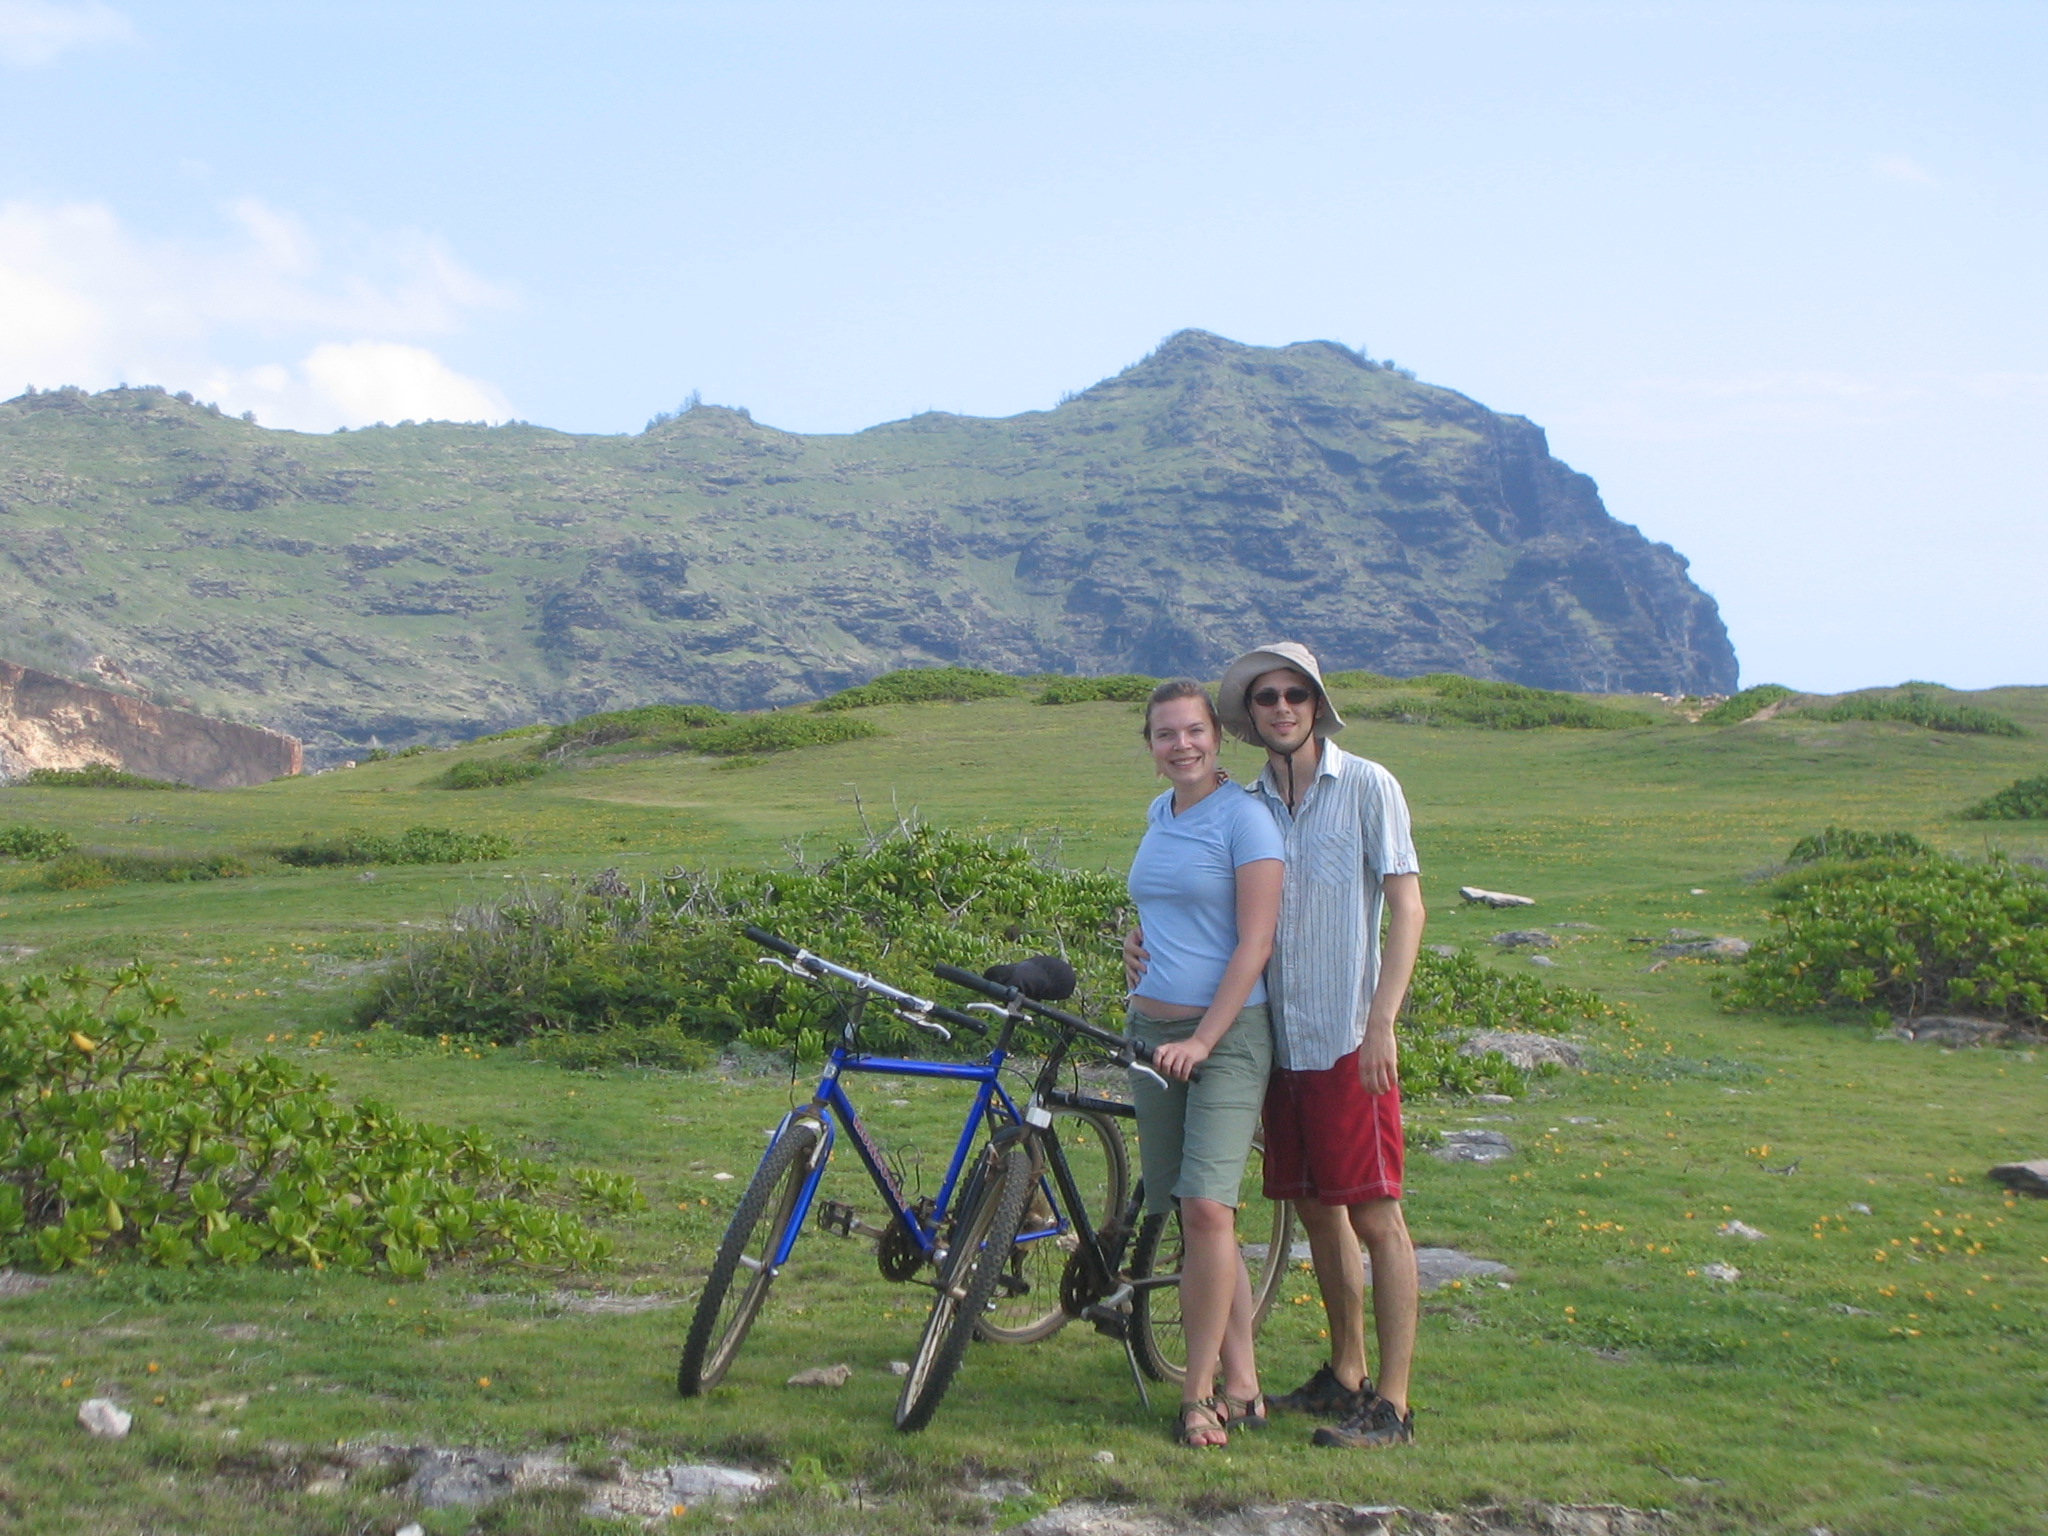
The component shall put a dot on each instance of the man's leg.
(1340, 1276)
(1383, 1229)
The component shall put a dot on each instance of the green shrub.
(112, 1143)
(1358, 679)
(1845, 843)
(22, 841)
(926, 685)
(1124, 688)
(626, 725)
(415, 845)
(1738, 707)
(97, 776)
(634, 974)
(1917, 706)
(1908, 936)
(755, 735)
(91, 871)
(1502, 707)
(491, 773)
(2021, 800)
(654, 1045)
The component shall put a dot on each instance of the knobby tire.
(983, 1236)
(726, 1310)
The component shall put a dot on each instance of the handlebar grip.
(767, 940)
(959, 1020)
(974, 983)
(1143, 1052)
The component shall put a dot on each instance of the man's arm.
(1136, 957)
(1379, 1057)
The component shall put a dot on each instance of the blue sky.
(1770, 273)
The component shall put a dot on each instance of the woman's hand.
(1179, 1060)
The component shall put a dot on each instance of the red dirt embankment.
(52, 722)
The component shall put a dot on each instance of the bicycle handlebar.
(1013, 997)
(818, 965)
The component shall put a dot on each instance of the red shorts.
(1329, 1140)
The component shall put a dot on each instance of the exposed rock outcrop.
(52, 722)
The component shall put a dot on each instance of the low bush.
(22, 841)
(491, 773)
(625, 725)
(1846, 843)
(97, 776)
(1500, 707)
(926, 685)
(637, 974)
(1124, 688)
(112, 1143)
(667, 1046)
(1357, 679)
(1905, 936)
(1917, 706)
(90, 871)
(2021, 800)
(415, 845)
(757, 735)
(1738, 707)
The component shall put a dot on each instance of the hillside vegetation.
(1870, 1364)
(428, 581)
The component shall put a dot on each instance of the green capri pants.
(1193, 1138)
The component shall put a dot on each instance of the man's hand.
(1379, 1061)
(1179, 1060)
(1136, 957)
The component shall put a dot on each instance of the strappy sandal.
(1205, 1416)
(1238, 1412)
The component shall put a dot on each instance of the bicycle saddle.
(1042, 978)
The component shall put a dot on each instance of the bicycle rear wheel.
(983, 1235)
(1026, 1305)
(1157, 1337)
(741, 1273)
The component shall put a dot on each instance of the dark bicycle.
(1136, 1303)
(914, 1238)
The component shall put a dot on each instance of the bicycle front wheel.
(743, 1269)
(983, 1236)
(1157, 1338)
(1026, 1305)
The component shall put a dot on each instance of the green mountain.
(430, 580)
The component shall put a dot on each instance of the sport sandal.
(1205, 1416)
(1244, 1412)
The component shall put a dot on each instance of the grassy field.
(1827, 1387)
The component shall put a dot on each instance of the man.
(1333, 1104)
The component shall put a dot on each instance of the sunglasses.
(1266, 698)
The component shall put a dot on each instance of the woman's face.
(1183, 742)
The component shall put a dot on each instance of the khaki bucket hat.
(1239, 676)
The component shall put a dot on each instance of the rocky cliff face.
(422, 581)
(51, 722)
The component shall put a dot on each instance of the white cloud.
(34, 32)
(1901, 168)
(262, 317)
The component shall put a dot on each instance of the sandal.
(1244, 1412)
(1204, 1417)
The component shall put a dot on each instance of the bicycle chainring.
(1079, 1289)
(897, 1253)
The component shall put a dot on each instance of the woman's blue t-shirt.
(1184, 881)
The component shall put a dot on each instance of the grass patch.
(22, 841)
(96, 776)
(1738, 707)
(1918, 706)
(2021, 800)
(415, 845)
(90, 871)
(491, 773)
(926, 685)
(1123, 688)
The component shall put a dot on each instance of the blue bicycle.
(1024, 1300)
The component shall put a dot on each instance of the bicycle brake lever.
(924, 1023)
(1139, 1066)
(995, 1008)
(782, 965)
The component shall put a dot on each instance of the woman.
(1206, 881)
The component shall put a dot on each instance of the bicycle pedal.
(837, 1216)
(1110, 1322)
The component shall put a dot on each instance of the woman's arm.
(1258, 916)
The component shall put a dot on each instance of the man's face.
(1283, 706)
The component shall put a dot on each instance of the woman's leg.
(1240, 1365)
(1211, 1273)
